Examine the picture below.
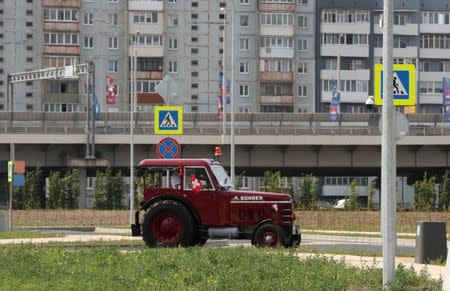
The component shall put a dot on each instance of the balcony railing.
(277, 76)
(61, 49)
(61, 3)
(61, 26)
(276, 7)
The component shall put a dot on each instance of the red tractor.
(187, 201)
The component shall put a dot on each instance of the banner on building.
(446, 98)
(335, 102)
(111, 90)
(220, 97)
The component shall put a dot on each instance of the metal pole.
(132, 101)
(232, 102)
(224, 82)
(388, 152)
(12, 155)
(88, 133)
(338, 69)
(8, 78)
(93, 112)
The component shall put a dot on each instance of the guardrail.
(207, 123)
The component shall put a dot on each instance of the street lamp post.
(224, 80)
(132, 108)
(388, 152)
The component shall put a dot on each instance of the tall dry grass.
(327, 220)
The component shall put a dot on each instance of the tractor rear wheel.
(168, 224)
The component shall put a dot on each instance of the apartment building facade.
(352, 31)
(284, 51)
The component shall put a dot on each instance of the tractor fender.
(184, 202)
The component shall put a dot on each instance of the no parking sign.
(168, 148)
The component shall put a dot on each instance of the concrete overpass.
(293, 143)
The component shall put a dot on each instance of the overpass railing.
(207, 124)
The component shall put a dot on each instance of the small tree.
(308, 192)
(29, 195)
(238, 183)
(424, 193)
(444, 192)
(71, 190)
(353, 203)
(54, 190)
(108, 190)
(272, 181)
(370, 193)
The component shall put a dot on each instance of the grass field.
(326, 220)
(42, 268)
(25, 234)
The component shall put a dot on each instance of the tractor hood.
(258, 196)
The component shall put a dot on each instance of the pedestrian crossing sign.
(404, 85)
(168, 120)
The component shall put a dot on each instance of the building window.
(435, 17)
(278, 65)
(244, 2)
(60, 107)
(344, 39)
(90, 183)
(172, 1)
(194, 63)
(173, 43)
(29, 107)
(29, 83)
(173, 20)
(173, 67)
(29, 12)
(302, 91)
(194, 39)
(194, 74)
(244, 110)
(303, 21)
(435, 41)
(29, 24)
(194, 27)
(194, 108)
(277, 18)
(243, 44)
(113, 19)
(243, 91)
(113, 1)
(29, 36)
(194, 4)
(345, 16)
(113, 66)
(194, 97)
(194, 16)
(243, 67)
(29, 94)
(301, 68)
(61, 38)
(61, 15)
(147, 40)
(194, 85)
(29, 60)
(88, 19)
(243, 20)
(194, 50)
(29, 48)
(302, 2)
(302, 45)
(113, 43)
(145, 17)
(2, 107)
(146, 86)
(89, 42)
(276, 42)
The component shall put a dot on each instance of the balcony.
(145, 5)
(149, 75)
(61, 3)
(276, 76)
(63, 49)
(349, 28)
(432, 76)
(434, 53)
(147, 51)
(61, 97)
(61, 26)
(406, 52)
(281, 100)
(434, 28)
(361, 51)
(147, 28)
(345, 74)
(407, 29)
(284, 53)
(276, 7)
(280, 30)
(346, 97)
(427, 98)
(148, 98)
